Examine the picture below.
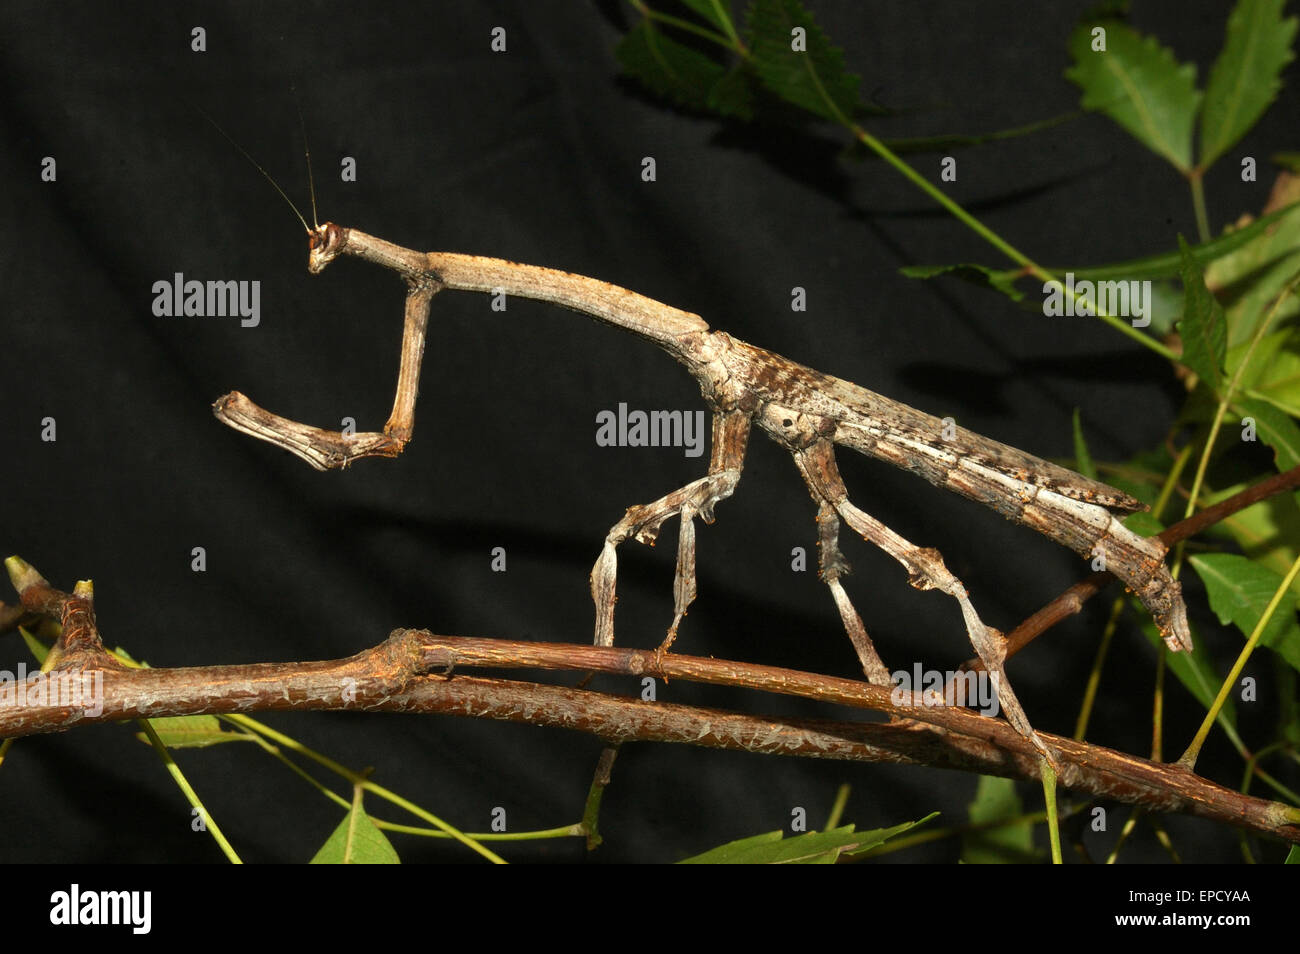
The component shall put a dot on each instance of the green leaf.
(1244, 79)
(1240, 590)
(1248, 280)
(1003, 281)
(1166, 301)
(995, 800)
(814, 847)
(1275, 429)
(772, 848)
(1290, 161)
(814, 78)
(1138, 83)
(1293, 856)
(38, 648)
(734, 95)
(1203, 329)
(191, 732)
(1143, 523)
(356, 842)
(669, 68)
(878, 836)
(1274, 371)
(1267, 532)
(1167, 264)
(1082, 458)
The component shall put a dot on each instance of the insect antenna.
(311, 180)
(274, 184)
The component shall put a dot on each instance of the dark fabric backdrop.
(534, 155)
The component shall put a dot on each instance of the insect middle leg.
(925, 568)
(832, 566)
(642, 522)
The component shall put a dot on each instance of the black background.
(534, 155)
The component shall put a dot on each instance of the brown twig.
(416, 671)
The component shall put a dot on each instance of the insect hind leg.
(926, 570)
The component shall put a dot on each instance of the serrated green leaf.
(770, 848)
(982, 275)
(356, 842)
(734, 94)
(1245, 78)
(37, 648)
(671, 69)
(1203, 328)
(996, 799)
(878, 836)
(1139, 84)
(1082, 458)
(813, 79)
(1193, 669)
(191, 732)
(1240, 590)
(1275, 429)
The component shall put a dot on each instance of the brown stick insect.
(806, 412)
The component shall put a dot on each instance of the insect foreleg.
(325, 449)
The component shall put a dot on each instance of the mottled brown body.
(797, 405)
(805, 411)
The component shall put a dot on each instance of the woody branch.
(419, 672)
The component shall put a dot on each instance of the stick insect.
(806, 412)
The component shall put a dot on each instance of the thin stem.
(1198, 203)
(1134, 817)
(1188, 761)
(880, 149)
(1094, 675)
(837, 807)
(357, 779)
(590, 824)
(1158, 706)
(938, 834)
(274, 751)
(1049, 799)
(669, 20)
(209, 823)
